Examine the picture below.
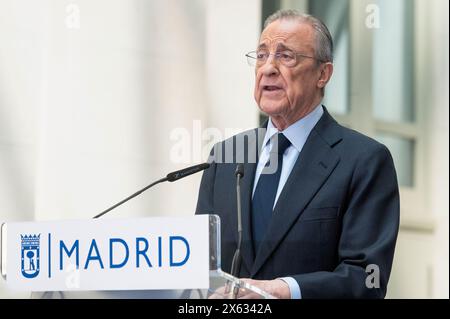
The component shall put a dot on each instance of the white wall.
(90, 92)
(421, 262)
(227, 43)
(20, 90)
(438, 151)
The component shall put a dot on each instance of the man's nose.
(270, 67)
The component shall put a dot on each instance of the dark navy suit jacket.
(337, 213)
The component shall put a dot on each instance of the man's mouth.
(271, 88)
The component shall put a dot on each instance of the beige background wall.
(87, 110)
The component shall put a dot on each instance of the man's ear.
(326, 71)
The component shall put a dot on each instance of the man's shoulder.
(244, 137)
(253, 133)
(357, 143)
(241, 147)
(358, 139)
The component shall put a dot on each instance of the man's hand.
(277, 288)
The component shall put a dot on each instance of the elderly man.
(323, 222)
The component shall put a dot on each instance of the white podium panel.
(134, 258)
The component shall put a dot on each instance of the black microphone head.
(239, 170)
(174, 176)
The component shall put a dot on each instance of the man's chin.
(272, 109)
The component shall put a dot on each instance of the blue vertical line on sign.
(159, 252)
(49, 255)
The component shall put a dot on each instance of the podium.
(221, 284)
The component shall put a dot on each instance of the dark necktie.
(266, 189)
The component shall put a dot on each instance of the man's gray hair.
(324, 40)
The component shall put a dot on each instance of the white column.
(117, 84)
(438, 141)
(91, 92)
(21, 29)
(233, 29)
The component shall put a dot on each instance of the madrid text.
(173, 251)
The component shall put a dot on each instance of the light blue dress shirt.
(297, 134)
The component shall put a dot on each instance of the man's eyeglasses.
(287, 58)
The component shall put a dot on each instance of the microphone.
(174, 176)
(236, 263)
(171, 177)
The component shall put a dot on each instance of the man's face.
(288, 93)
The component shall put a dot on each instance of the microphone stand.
(130, 197)
(236, 263)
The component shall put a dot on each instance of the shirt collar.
(298, 132)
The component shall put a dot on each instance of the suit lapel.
(248, 255)
(253, 145)
(313, 167)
